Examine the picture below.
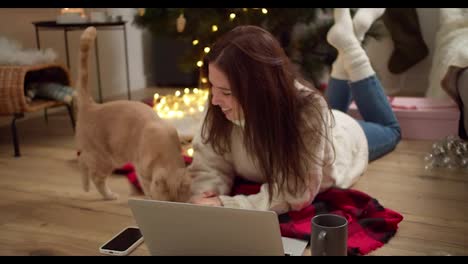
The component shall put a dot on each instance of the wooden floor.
(44, 211)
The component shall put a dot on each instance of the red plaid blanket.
(370, 225)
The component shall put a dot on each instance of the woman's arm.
(211, 172)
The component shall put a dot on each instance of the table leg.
(65, 31)
(38, 43)
(15, 133)
(126, 62)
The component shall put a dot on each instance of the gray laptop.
(171, 228)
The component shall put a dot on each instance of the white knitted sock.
(356, 63)
(354, 58)
(336, 38)
(338, 71)
(341, 34)
(364, 19)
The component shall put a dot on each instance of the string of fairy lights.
(179, 105)
(215, 28)
(189, 102)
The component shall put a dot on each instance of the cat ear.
(159, 189)
(187, 174)
(184, 183)
(181, 173)
(158, 176)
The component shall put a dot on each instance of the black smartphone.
(123, 243)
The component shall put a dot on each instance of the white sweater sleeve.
(283, 202)
(210, 171)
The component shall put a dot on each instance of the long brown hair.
(262, 78)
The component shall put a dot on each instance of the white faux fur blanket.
(451, 48)
(11, 53)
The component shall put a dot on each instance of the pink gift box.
(422, 118)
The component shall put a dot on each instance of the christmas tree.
(301, 32)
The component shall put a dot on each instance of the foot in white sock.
(351, 56)
(364, 19)
(341, 34)
(338, 71)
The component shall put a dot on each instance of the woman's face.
(222, 94)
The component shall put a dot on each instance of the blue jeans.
(380, 124)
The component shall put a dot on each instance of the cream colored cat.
(110, 134)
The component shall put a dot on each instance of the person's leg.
(380, 124)
(338, 93)
(363, 20)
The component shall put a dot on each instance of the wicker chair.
(13, 80)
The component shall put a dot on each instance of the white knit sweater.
(216, 173)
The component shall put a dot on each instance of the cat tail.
(86, 41)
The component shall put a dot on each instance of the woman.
(266, 126)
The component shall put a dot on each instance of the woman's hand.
(206, 198)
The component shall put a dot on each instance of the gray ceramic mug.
(329, 235)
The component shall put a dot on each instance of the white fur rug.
(11, 53)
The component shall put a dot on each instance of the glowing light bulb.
(186, 90)
(156, 96)
(199, 63)
(195, 42)
(204, 80)
(206, 49)
(214, 28)
(195, 90)
(232, 16)
(177, 93)
(190, 152)
(264, 11)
